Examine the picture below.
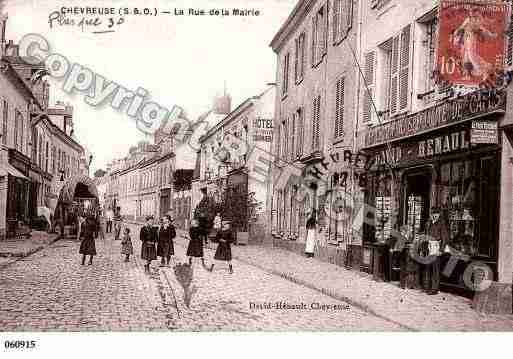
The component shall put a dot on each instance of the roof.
(18, 80)
(298, 13)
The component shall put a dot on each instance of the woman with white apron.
(311, 227)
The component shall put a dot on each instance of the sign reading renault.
(484, 132)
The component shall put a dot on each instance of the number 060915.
(20, 344)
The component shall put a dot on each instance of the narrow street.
(51, 290)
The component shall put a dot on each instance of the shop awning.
(68, 191)
(6, 168)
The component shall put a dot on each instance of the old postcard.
(244, 165)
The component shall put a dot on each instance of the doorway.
(416, 202)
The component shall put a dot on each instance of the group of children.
(223, 236)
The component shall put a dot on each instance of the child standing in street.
(224, 249)
(126, 245)
(195, 247)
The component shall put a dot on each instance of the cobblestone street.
(50, 290)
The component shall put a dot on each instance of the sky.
(179, 60)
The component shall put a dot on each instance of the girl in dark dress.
(195, 247)
(126, 245)
(224, 250)
(165, 245)
(87, 247)
(148, 235)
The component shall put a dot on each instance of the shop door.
(164, 205)
(417, 201)
(488, 207)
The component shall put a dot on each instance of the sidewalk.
(412, 309)
(12, 250)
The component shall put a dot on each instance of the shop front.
(18, 185)
(445, 160)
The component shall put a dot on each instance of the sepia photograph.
(254, 166)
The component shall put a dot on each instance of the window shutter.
(368, 92)
(300, 142)
(316, 123)
(303, 53)
(325, 28)
(278, 142)
(394, 76)
(349, 15)
(292, 137)
(336, 19)
(339, 108)
(286, 139)
(314, 39)
(404, 71)
(296, 61)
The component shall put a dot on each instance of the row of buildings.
(166, 176)
(365, 135)
(38, 150)
(357, 129)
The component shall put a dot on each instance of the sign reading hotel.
(263, 130)
(471, 41)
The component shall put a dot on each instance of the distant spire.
(224, 88)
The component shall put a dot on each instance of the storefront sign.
(263, 130)
(467, 107)
(484, 132)
(443, 144)
(471, 41)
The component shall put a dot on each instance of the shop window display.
(457, 189)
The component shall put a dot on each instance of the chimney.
(222, 104)
(3, 24)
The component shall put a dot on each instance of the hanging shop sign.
(263, 130)
(484, 132)
(470, 106)
(471, 42)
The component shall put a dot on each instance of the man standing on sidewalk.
(109, 216)
(204, 214)
(117, 223)
(438, 233)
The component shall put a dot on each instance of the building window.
(16, 129)
(339, 108)
(368, 91)
(300, 58)
(342, 19)
(285, 139)
(429, 43)
(301, 131)
(40, 157)
(53, 160)
(47, 153)
(319, 38)
(400, 71)
(316, 112)
(5, 117)
(285, 83)
(19, 131)
(292, 135)
(278, 143)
